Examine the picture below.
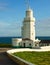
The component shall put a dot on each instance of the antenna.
(27, 4)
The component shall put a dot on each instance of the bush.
(5, 45)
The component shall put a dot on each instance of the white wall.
(27, 43)
(16, 41)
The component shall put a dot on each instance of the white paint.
(28, 29)
(27, 43)
(16, 41)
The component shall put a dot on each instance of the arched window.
(35, 44)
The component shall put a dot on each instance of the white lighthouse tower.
(28, 31)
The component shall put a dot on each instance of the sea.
(8, 40)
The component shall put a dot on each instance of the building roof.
(45, 41)
(27, 39)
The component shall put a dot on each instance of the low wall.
(17, 59)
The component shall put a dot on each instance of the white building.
(28, 32)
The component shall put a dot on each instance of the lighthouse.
(27, 31)
(28, 28)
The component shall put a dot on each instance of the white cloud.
(4, 23)
(3, 6)
(10, 29)
(14, 28)
(43, 27)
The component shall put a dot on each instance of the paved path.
(4, 59)
(41, 49)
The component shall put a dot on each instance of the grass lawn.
(37, 58)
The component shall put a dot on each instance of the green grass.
(37, 58)
(5, 45)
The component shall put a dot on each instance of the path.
(4, 59)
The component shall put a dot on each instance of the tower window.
(30, 44)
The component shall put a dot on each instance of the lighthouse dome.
(29, 13)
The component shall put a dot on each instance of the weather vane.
(27, 4)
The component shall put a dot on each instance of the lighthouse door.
(24, 45)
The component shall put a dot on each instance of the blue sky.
(12, 13)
